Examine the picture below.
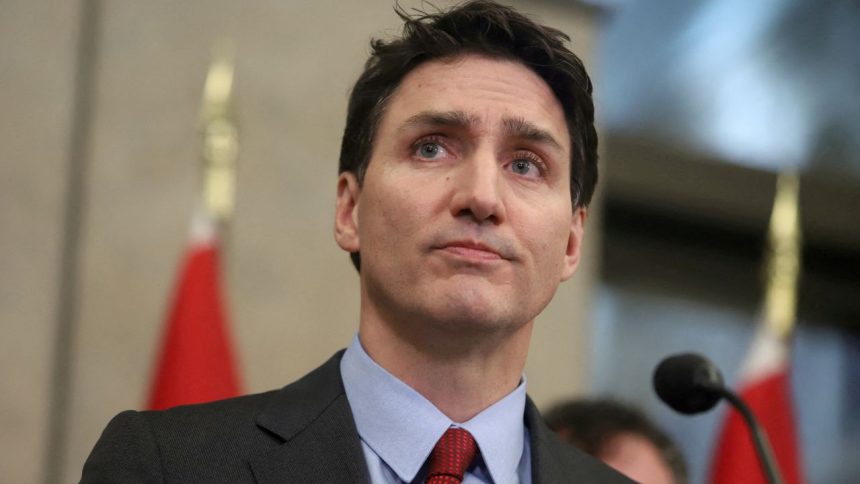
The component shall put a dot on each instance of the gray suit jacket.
(302, 433)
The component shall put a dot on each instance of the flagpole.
(765, 381)
(196, 361)
(220, 135)
(782, 266)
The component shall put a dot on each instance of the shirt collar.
(402, 427)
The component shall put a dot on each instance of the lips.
(472, 250)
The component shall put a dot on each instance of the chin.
(476, 312)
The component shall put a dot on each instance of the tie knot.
(451, 457)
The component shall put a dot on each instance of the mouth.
(471, 250)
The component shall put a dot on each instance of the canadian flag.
(196, 362)
(765, 387)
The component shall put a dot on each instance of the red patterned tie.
(451, 457)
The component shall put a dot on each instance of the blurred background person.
(622, 436)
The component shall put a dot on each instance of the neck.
(461, 374)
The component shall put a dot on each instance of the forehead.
(491, 92)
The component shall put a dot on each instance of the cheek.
(388, 216)
(547, 238)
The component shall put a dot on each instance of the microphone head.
(689, 383)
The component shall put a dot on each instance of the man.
(622, 436)
(468, 159)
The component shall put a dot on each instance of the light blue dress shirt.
(399, 427)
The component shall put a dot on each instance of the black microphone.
(690, 384)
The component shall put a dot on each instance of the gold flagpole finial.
(220, 136)
(783, 256)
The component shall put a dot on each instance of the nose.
(478, 190)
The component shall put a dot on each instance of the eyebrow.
(523, 129)
(453, 119)
(516, 127)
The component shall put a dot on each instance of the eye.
(527, 165)
(429, 149)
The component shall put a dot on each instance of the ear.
(346, 212)
(574, 242)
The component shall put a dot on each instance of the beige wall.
(37, 54)
(296, 62)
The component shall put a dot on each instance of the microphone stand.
(762, 446)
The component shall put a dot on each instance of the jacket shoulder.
(192, 443)
(209, 442)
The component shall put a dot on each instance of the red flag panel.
(736, 460)
(196, 363)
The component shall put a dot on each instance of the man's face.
(637, 458)
(464, 219)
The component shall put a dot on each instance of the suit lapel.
(554, 462)
(545, 465)
(320, 441)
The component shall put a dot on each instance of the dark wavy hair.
(592, 424)
(484, 28)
